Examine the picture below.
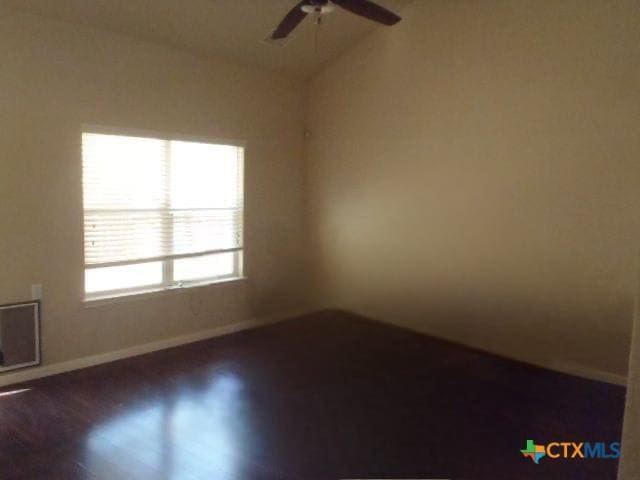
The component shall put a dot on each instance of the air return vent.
(19, 335)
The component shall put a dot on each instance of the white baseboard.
(20, 376)
(570, 368)
(587, 372)
(84, 362)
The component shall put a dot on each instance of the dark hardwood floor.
(328, 396)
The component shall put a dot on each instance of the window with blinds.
(159, 213)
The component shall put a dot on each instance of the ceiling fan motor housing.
(318, 6)
(364, 8)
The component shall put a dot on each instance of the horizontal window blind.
(151, 199)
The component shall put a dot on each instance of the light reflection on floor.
(195, 431)
(13, 392)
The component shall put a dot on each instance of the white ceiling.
(233, 28)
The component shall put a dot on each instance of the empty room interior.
(283, 239)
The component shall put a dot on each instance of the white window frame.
(168, 283)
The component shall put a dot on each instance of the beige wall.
(55, 77)
(474, 172)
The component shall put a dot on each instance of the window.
(159, 213)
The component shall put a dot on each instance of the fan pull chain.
(317, 32)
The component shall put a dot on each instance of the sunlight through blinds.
(149, 199)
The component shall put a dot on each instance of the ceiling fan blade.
(369, 10)
(290, 21)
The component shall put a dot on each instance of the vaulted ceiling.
(232, 28)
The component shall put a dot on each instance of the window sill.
(99, 300)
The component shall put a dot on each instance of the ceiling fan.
(364, 8)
